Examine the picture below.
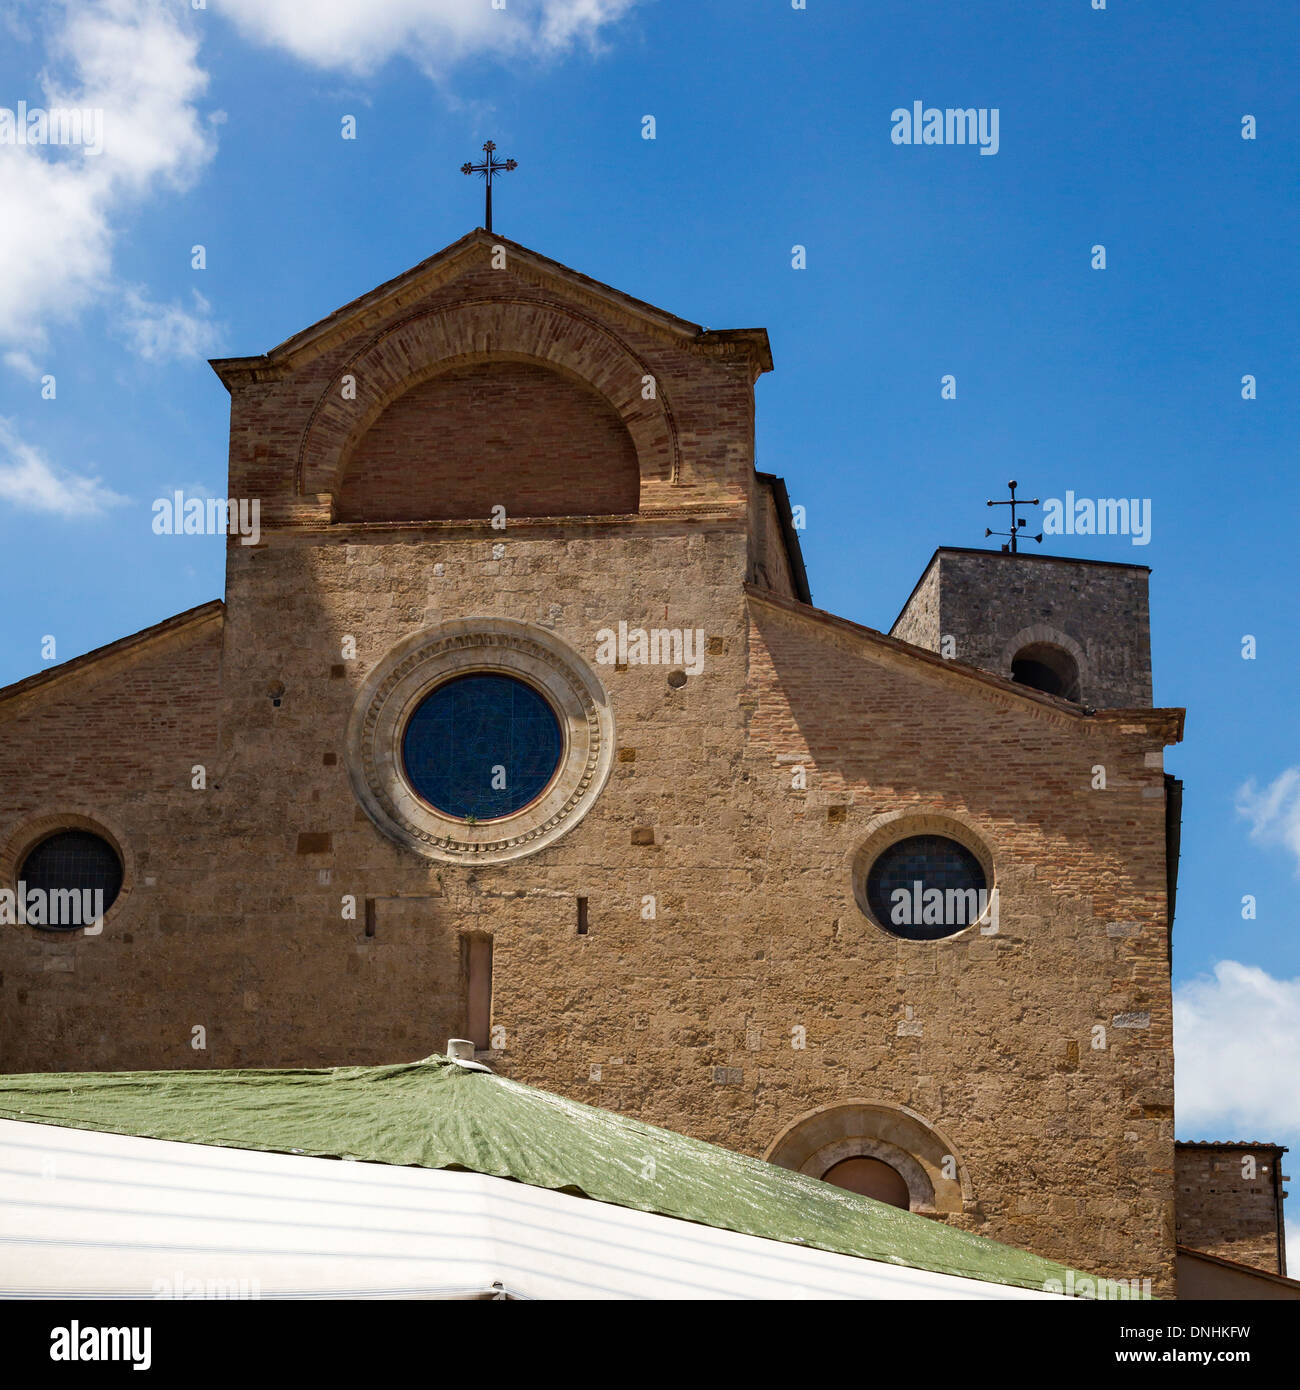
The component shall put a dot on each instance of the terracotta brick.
(755, 990)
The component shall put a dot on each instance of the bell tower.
(1080, 629)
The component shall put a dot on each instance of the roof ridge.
(1051, 703)
(540, 262)
(75, 665)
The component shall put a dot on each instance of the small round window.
(926, 887)
(482, 746)
(76, 876)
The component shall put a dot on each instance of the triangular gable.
(474, 250)
(1164, 724)
(112, 656)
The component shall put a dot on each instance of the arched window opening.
(870, 1177)
(1048, 668)
(886, 1152)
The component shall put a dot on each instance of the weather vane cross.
(491, 165)
(1016, 526)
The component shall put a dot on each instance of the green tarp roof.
(435, 1114)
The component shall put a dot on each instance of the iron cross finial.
(1016, 526)
(491, 165)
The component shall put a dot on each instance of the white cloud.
(54, 243)
(436, 34)
(23, 363)
(192, 490)
(1274, 813)
(137, 61)
(166, 332)
(567, 22)
(28, 480)
(1237, 1054)
(131, 60)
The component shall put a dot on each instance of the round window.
(926, 887)
(479, 740)
(78, 875)
(482, 746)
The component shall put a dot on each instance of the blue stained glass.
(482, 746)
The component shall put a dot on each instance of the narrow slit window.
(479, 1010)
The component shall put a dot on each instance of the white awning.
(91, 1215)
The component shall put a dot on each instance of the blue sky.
(1120, 127)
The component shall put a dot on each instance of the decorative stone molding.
(920, 1153)
(416, 348)
(884, 830)
(919, 1187)
(501, 646)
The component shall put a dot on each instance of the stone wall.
(993, 604)
(918, 623)
(993, 1038)
(770, 563)
(1228, 1202)
(728, 982)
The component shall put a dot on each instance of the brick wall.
(508, 434)
(1228, 1202)
(721, 910)
(112, 748)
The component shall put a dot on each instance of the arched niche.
(1046, 667)
(820, 1140)
(871, 1177)
(406, 354)
(492, 432)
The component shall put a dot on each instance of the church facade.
(517, 723)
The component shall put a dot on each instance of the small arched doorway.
(870, 1177)
(1047, 667)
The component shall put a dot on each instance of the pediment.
(479, 251)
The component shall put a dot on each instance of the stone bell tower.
(1079, 629)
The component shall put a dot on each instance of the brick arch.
(818, 1139)
(492, 431)
(44, 822)
(408, 353)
